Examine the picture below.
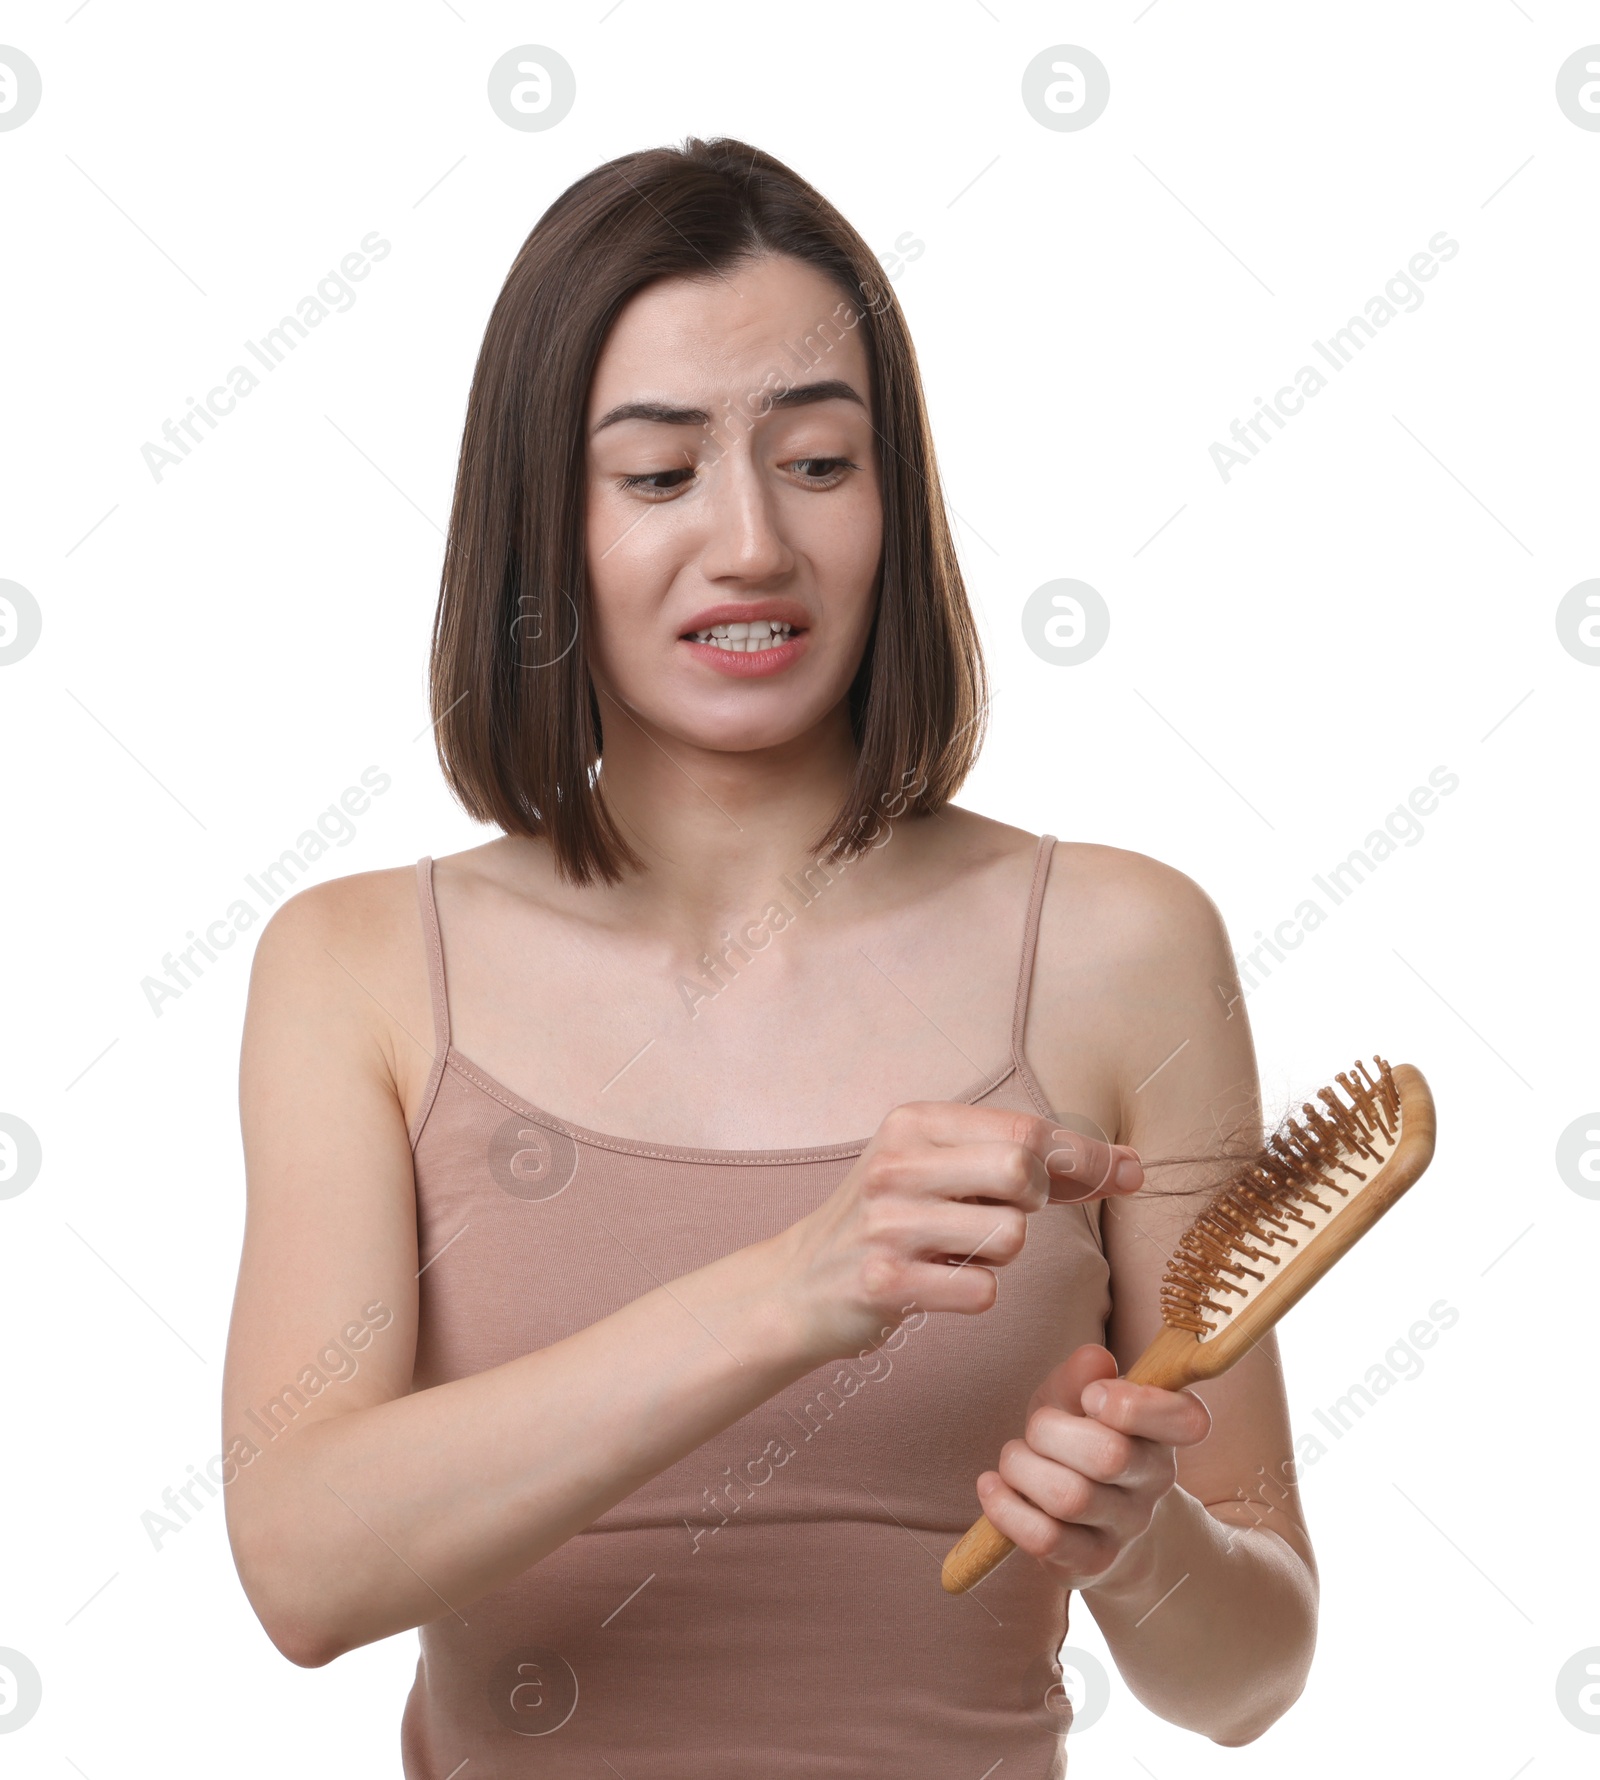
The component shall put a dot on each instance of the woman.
(661, 1390)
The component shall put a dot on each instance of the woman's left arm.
(1174, 1513)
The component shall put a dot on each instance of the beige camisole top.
(770, 1605)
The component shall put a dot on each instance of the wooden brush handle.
(1176, 1357)
(1168, 1362)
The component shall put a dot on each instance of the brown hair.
(516, 721)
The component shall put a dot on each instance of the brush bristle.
(1247, 1232)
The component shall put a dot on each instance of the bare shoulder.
(359, 920)
(966, 844)
(1134, 976)
(344, 961)
(1124, 911)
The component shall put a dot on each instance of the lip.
(789, 612)
(740, 664)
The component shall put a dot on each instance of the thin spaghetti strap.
(441, 1004)
(1030, 942)
(435, 950)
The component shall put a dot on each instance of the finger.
(1062, 1491)
(1083, 1168)
(989, 1233)
(1100, 1454)
(1041, 1535)
(1001, 1173)
(1063, 1387)
(1079, 1167)
(966, 1288)
(1175, 1418)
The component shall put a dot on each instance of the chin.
(736, 715)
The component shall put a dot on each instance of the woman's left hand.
(1097, 1456)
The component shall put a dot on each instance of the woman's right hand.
(937, 1199)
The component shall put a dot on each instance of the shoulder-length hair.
(516, 720)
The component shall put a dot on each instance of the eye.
(826, 471)
(816, 472)
(646, 482)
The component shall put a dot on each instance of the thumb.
(1064, 1387)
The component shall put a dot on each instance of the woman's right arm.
(365, 1509)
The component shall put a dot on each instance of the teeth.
(745, 637)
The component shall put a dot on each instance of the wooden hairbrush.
(1264, 1240)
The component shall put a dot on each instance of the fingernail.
(1094, 1397)
(1128, 1175)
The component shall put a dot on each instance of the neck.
(717, 829)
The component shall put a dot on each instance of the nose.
(744, 539)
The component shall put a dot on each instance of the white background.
(1374, 596)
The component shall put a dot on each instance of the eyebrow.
(798, 395)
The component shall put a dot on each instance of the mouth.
(748, 648)
(747, 638)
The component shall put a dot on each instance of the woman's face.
(732, 500)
